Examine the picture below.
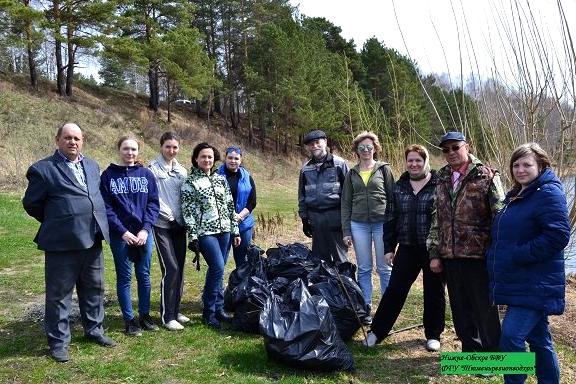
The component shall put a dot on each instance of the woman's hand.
(129, 238)
(236, 241)
(389, 257)
(436, 265)
(142, 237)
(347, 240)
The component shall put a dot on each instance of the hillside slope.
(28, 122)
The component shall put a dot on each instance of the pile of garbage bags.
(304, 307)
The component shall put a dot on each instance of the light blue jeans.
(363, 235)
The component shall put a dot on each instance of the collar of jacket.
(329, 159)
(445, 173)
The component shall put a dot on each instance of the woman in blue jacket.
(526, 259)
(131, 197)
(243, 192)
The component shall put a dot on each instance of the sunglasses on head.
(453, 148)
(365, 147)
(233, 149)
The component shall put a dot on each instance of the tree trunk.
(168, 99)
(71, 63)
(58, 50)
(154, 90)
(31, 53)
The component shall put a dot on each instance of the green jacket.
(370, 203)
(207, 205)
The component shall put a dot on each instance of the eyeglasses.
(234, 149)
(365, 147)
(453, 148)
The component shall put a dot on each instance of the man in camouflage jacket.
(468, 196)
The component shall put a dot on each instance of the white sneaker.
(182, 319)
(173, 325)
(370, 340)
(432, 345)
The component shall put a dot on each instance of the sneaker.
(132, 328)
(182, 319)
(102, 340)
(147, 323)
(371, 340)
(173, 325)
(432, 345)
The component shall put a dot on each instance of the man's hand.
(236, 241)
(194, 246)
(389, 257)
(436, 265)
(347, 240)
(307, 228)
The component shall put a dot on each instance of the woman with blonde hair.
(367, 204)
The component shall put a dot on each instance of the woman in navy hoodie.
(131, 197)
(526, 259)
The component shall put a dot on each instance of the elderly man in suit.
(63, 194)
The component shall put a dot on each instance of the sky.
(433, 33)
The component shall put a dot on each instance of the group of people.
(455, 225)
(132, 207)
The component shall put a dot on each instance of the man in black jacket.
(319, 192)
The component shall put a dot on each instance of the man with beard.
(319, 192)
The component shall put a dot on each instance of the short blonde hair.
(367, 135)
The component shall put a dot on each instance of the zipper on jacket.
(500, 214)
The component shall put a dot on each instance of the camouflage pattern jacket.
(207, 205)
(462, 219)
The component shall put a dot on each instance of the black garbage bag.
(249, 299)
(279, 285)
(343, 295)
(299, 331)
(255, 266)
(291, 261)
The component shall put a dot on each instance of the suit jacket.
(70, 215)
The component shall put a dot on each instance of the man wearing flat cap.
(319, 191)
(468, 196)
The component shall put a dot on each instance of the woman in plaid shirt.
(405, 247)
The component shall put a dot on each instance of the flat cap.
(314, 135)
(454, 136)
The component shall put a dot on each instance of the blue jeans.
(123, 266)
(240, 251)
(214, 249)
(363, 235)
(525, 324)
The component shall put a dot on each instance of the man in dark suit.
(63, 194)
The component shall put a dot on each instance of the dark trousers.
(64, 270)
(171, 248)
(408, 263)
(475, 320)
(327, 236)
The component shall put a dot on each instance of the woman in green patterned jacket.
(208, 211)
